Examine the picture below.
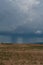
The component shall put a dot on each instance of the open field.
(21, 54)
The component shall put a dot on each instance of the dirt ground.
(21, 54)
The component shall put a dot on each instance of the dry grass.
(21, 54)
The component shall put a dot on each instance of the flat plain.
(21, 54)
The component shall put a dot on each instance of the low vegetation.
(21, 54)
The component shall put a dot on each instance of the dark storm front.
(10, 37)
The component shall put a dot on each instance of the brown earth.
(21, 54)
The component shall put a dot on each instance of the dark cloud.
(21, 15)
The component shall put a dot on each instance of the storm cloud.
(21, 15)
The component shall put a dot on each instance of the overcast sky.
(21, 15)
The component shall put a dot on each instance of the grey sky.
(21, 15)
